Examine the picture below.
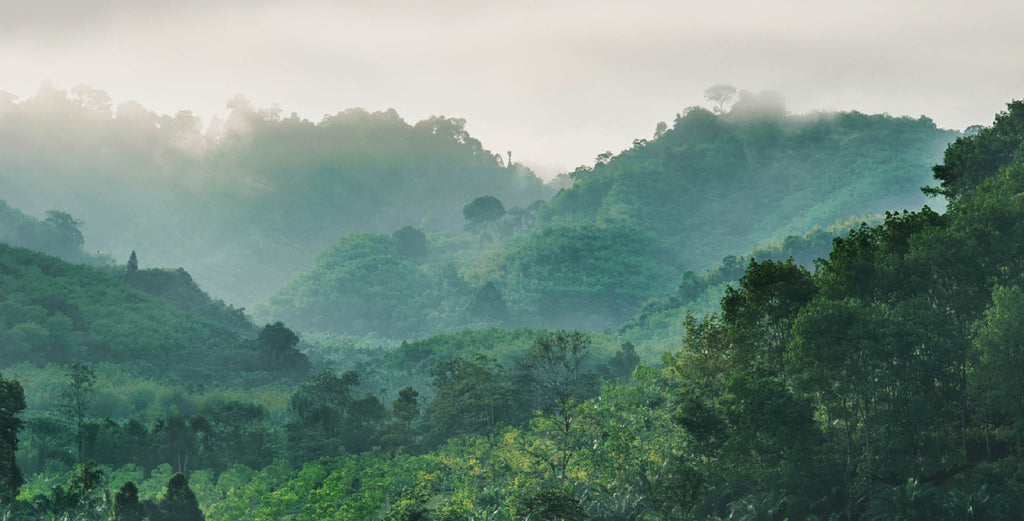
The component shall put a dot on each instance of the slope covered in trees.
(661, 321)
(55, 312)
(883, 383)
(249, 201)
(714, 185)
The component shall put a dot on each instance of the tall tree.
(472, 397)
(76, 398)
(12, 403)
(719, 95)
(179, 502)
(126, 504)
(133, 264)
(328, 417)
(483, 214)
(974, 158)
(65, 231)
(770, 296)
(410, 242)
(399, 431)
(557, 363)
(488, 304)
(1000, 362)
(278, 345)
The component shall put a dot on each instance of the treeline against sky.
(279, 214)
(884, 384)
(249, 200)
(712, 186)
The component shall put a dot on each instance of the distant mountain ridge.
(709, 187)
(722, 184)
(248, 202)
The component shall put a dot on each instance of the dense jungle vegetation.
(710, 187)
(826, 368)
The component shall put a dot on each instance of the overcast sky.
(556, 82)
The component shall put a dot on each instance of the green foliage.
(972, 159)
(995, 376)
(489, 305)
(126, 504)
(399, 431)
(246, 204)
(328, 417)
(592, 276)
(12, 403)
(179, 502)
(714, 185)
(635, 465)
(410, 242)
(177, 288)
(483, 211)
(882, 386)
(659, 322)
(556, 505)
(503, 345)
(52, 311)
(59, 234)
(556, 369)
(471, 397)
(278, 346)
(77, 397)
(623, 233)
(622, 364)
(359, 285)
(558, 363)
(585, 276)
(762, 311)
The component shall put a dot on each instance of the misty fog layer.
(866, 368)
(247, 201)
(714, 185)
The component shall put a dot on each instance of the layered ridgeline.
(712, 186)
(885, 385)
(247, 202)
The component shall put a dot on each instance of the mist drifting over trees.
(259, 193)
(749, 314)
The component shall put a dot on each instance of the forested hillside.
(712, 186)
(716, 185)
(248, 201)
(55, 312)
(658, 325)
(881, 381)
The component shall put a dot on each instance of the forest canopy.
(247, 201)
(584, 357)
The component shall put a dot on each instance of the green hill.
(55, 312)
(710, 187)
(716, 185)
(246, 203)
(883, 384)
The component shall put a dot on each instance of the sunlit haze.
(554, 82)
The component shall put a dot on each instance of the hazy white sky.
(556, 82)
